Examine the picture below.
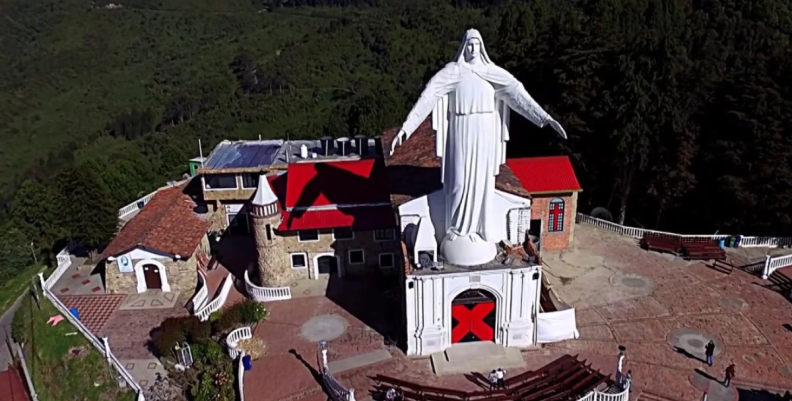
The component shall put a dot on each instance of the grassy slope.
(58, 374)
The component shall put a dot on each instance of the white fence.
(773, 264)
(233, 339)
(266, 294)
(135, 206)
(101, 345)
(334, 389)
(745, 242)
(198, 300)
(597, 396)
(219, 301)
(64, 261)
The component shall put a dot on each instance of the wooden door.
(152, 275)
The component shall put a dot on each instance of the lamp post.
(323, 348)
(33, 252)
(620, 365)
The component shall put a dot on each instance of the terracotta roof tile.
(545, 174)
(11, 386)
(414, 168)
(168, 223)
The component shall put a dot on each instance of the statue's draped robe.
(471, 137)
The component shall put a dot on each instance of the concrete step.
(481, 357)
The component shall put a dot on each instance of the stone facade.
(218, 218)
(540, 209)
(327, 244)
(182, 275)
(274, 268)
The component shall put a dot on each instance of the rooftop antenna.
(288, 147)
(200, 152)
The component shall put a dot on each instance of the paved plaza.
(663, 309)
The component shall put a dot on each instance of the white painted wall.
(137, 254)
(429, 297)
(431, 207)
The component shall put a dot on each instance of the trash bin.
(721, 243)
(732, 242)
(141, 204)
(247, 362)
(75, 313)
(737, 241)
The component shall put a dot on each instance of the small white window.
(383, 234)
(299, 260)
(308, 235)
(386, 260)
(343, 233)
(356, 257)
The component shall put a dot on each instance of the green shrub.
(228, 320)
(19, 327)
(175, 330)
(251, 312)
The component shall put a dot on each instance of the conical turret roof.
(264, 195)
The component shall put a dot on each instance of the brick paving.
(129, 331)
(94, 310)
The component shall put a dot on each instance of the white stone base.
(469, 250)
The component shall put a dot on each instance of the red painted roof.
(545, 174)
(358, 218)
(336, 183)
(168, 223)
(11, 387)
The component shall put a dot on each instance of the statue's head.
(473, 50)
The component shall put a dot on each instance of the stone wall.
(540, 209)
(218, 216)
(327, 244)
(274, 268)
(238, 195)
(182, 276)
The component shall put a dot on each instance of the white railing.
(767, 242)
(598, 396)
(219, 301)
(335, 390)
(266, 294)
(133, 207)
(21, 355)
(198, 300)
(241, 377)
(744, 242)
(233, 339)
(102, 345)
(773, 264)
(64, 261)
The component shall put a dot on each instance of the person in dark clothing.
(729, 375)
(709, 350)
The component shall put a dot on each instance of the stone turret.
(273, 264)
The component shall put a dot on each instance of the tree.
(34, 213)
(88, 213)
(15, 252)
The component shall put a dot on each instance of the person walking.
(493, 380)
(500, 374)
(729, 375)
(628, 380)
(709, 350)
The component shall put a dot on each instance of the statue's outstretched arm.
(512, 91)
(440, 85)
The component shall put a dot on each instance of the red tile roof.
(168, 224)
(336, 183)
(11, 386)
(358, 218)
(545, 174)
(414, 168)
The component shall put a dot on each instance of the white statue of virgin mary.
(470, 99)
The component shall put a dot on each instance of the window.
(308, 235)
(555, 220)
(220, 181)
(386, 260)
(299, 260)
(268, 229)
(343, 233)
(250, 180)
(383, 234)
(356, 257)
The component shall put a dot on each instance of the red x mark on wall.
(471, 320)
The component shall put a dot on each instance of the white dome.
(264, 195)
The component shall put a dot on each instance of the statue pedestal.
(464, 251)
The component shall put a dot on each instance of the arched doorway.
(151, 273)
(473, 316)
(327, 264)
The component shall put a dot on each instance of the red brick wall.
(540, 208)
